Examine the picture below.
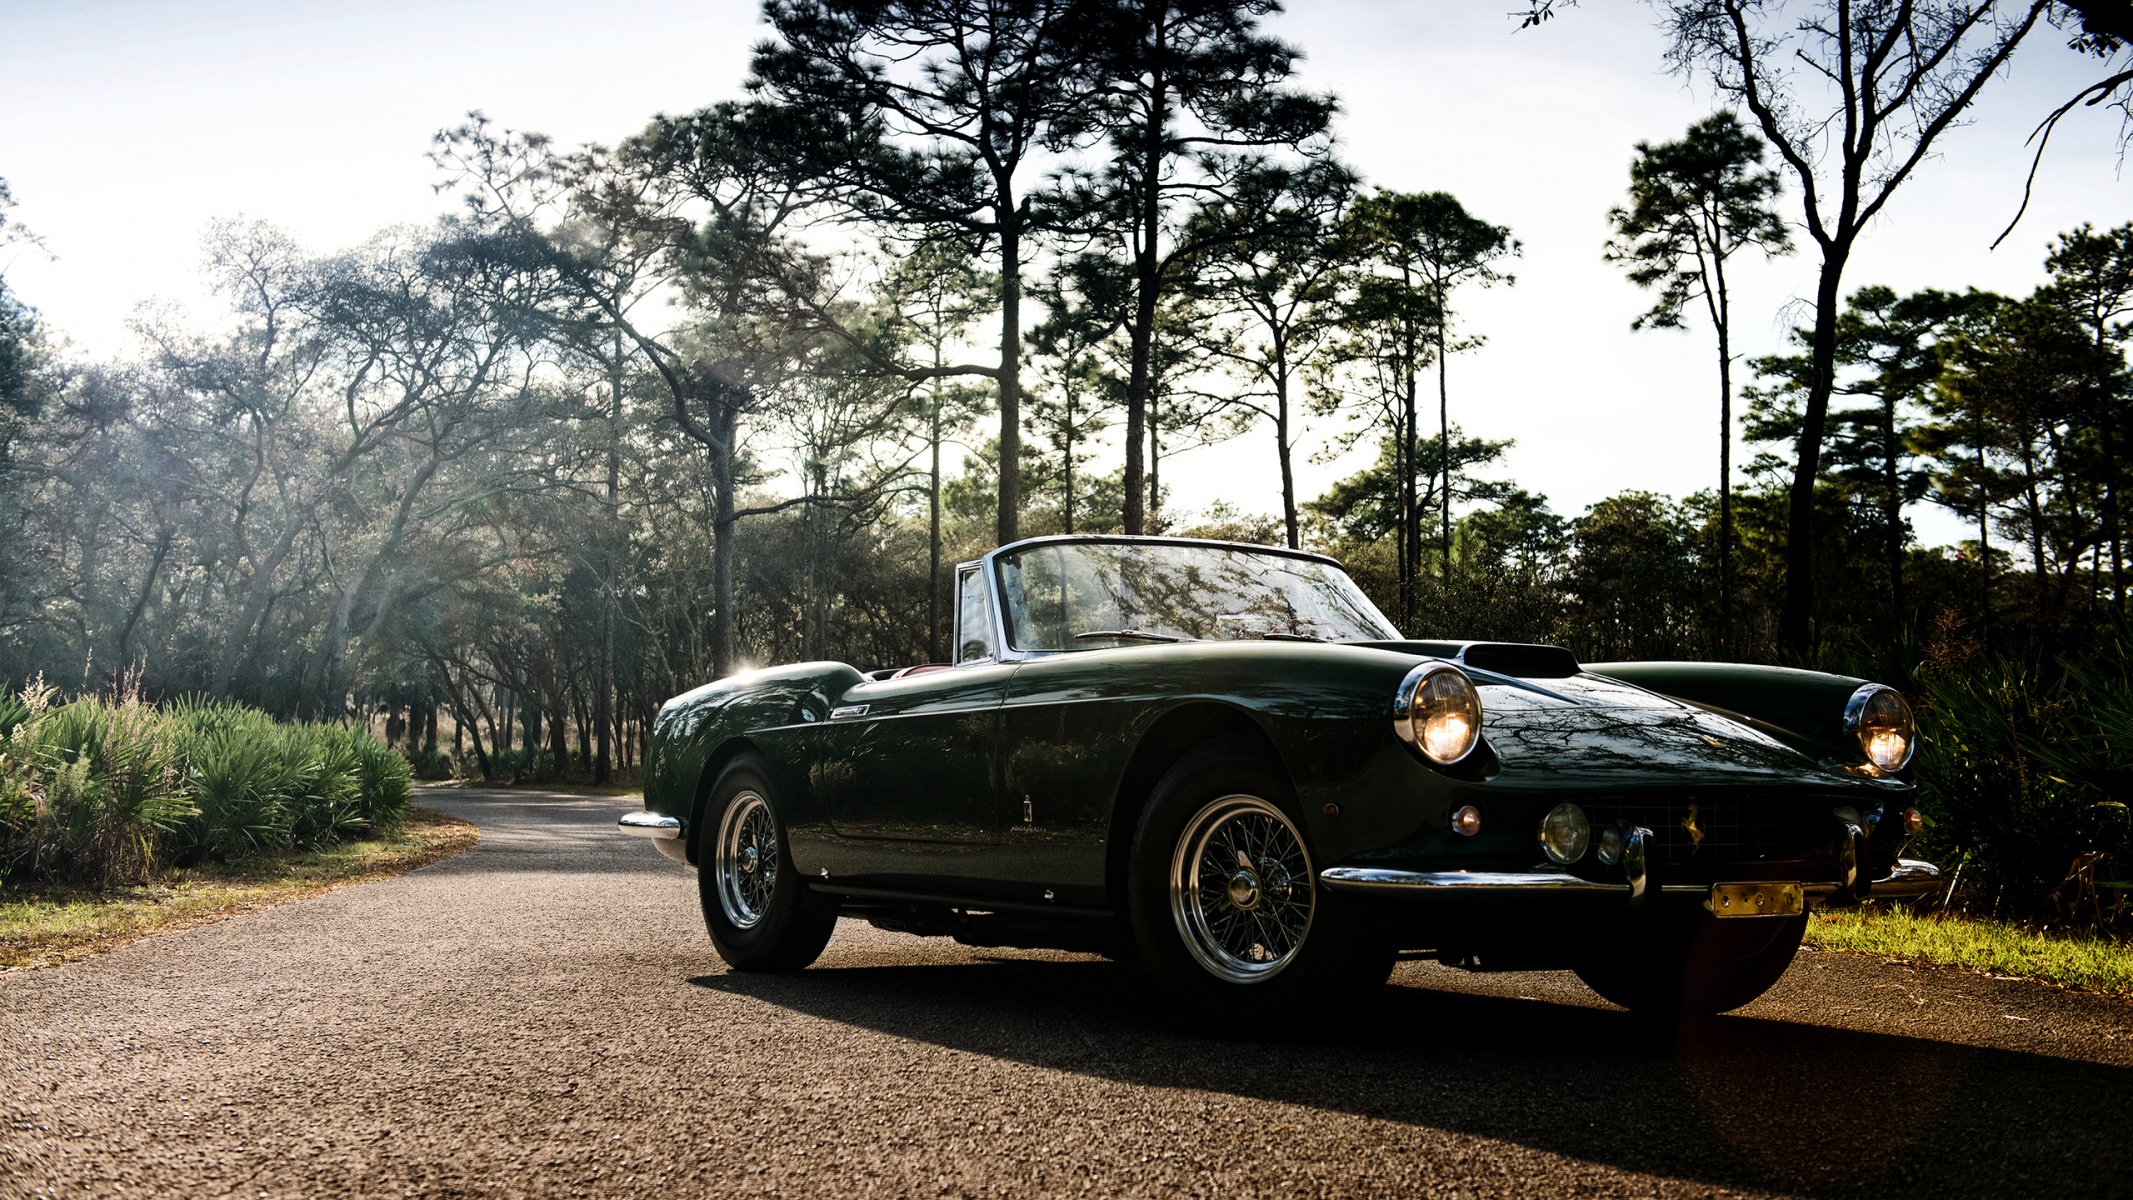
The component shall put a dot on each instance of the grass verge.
(2083, 962)
(49, 924)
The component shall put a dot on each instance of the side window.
(973, 632)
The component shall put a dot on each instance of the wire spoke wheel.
(1242, 891)
(746, 860)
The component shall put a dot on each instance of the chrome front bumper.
(665, 831)
(1910, 878)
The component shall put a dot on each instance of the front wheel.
(1223, 898)
(1697, 965)
(761, 914)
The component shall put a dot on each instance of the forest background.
(743, 386)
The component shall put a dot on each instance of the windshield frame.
(1004, 647)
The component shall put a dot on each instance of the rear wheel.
(761, 914)
(1224, 902)
(1695, 964)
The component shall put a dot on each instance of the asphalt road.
(543, 1016)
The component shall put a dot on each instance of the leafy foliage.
(114, 789)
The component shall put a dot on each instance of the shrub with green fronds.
(114, 789)
(2026, 771)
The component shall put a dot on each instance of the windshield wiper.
(1289, 637)
(1131, 635)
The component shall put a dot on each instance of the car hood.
(1552, 724)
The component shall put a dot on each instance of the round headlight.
(1880, 719)
(1438, 712)
(1565, 832)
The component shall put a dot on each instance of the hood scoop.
(1517, 659)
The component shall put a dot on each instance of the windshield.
(1086, 595)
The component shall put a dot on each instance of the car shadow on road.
(1738, 1102)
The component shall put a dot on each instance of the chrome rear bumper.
(665, 831)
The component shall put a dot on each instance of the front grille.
(1727, 829)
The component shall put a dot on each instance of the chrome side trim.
(650, 825)
(1386, 879)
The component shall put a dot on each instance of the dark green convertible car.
(1222, 761)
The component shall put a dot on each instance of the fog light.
(1609, 848)
(1912, 822)
(1565, 832)
(1467, 821)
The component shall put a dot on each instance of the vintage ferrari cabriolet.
(1222, 761)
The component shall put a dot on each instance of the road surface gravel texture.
(544, 1016)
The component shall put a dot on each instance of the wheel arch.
(715, 765)
(1170, 737)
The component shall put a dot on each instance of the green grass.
(2081, 961)
(44, 924)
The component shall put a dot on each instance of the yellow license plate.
(1757, 900)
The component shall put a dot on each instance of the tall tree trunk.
(1155, 462)
(1410, 502)
(723, 641)
(1281, 444)
(1984, 547)
(1796, 616)
(1444, 443)
(935, 651)
(604, 683)
(1147, 226)
(2107, 425)
(1719, 305)
(1068, 441)
(2035, 505)
(1010, 493)
(1725, 489)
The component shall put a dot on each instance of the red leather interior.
(921, 669)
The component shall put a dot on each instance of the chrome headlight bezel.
(1427, 683)
(1860, 721)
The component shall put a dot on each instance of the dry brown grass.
(46, 925)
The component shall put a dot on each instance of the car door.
(1066, 731)
(908, 766)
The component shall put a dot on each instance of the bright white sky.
(127, 125)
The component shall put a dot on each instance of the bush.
(2025, 770)
(114, 789)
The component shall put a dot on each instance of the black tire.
(778, 924)
(1343, 945)
(1695, 965)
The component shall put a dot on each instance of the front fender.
(692, 727)
(1804, 709)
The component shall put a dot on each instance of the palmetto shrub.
(113, 789)
(2026, 771)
